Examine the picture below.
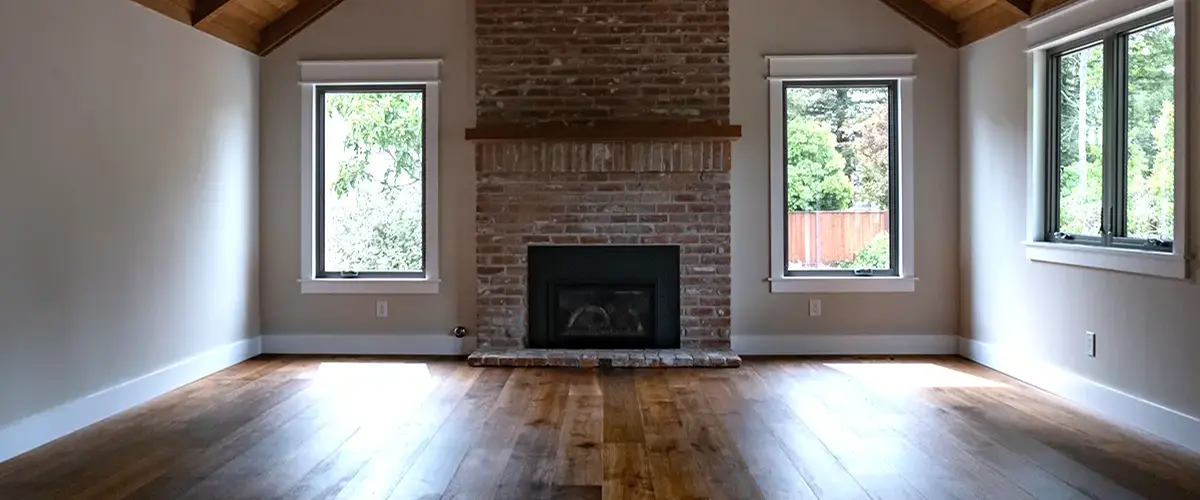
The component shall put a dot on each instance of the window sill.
(843, 285)
(370, 286)
(1111, 259)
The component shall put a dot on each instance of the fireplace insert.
(604, 297)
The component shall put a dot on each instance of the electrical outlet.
(814, 307)
(1091, 344)
(381, 309)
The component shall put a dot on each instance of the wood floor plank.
(713, 449)
(430, 475)
(765, 459)
(529, 473)
(622, 418)
(311, 427)
(383, 471)
(626, 472)
(578, 460)
(674, 471)
(478, 475)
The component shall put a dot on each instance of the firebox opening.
(604, 297)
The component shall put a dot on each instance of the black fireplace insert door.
(604, 297)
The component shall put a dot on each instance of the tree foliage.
(876, 255)
(374, 190)
(815, 176)
(857, 119)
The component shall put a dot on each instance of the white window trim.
(899, 67)
(1063, 27)
(423, 72)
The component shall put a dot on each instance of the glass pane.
(1081, 145)
(373, 182)
(838, 177)
(1150, 129)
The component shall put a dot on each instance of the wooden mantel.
(628, 131)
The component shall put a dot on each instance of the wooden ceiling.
(962, 22)
(258, 26)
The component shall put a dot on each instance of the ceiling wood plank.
(928, 18)
(207, 9)
(284, 28)
(236, 35)
(989, 21)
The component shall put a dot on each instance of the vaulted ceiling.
(260, 26)
(962, 22)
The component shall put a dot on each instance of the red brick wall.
(582, 62)
(524, 202)
(579, 61)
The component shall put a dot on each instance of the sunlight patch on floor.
(911, 375)
(382, 388)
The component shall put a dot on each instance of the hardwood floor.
(325, 428)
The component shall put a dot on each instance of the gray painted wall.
(798, 27)
(370, 29)
(407, 28)
(1148, 328)
(129, 197)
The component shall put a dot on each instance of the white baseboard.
(37, 430)
(784, 345)
(399, 344)
(1124, 408)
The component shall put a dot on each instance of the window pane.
(1150, 129)
(373, 189)
(838, 177)
(1080, 145)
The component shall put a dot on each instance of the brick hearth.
(607, 358)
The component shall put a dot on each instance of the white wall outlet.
(381, 309)
(814, 307)
(1091, 344)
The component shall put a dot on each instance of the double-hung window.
(370, 178)
(1108, 158)
(839, 173)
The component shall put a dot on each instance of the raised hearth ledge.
(604, 132)
(614, 358)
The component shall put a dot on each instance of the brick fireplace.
(603, 124)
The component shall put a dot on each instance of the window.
(840, 178)
(370, 181)
(1108, 158)
(370, 177)
(841, 135)
(1110, 154)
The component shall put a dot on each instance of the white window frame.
(422, 72)
(898, 67)
(1062, 27)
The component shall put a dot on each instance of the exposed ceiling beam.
(1023, 6)
(206, 9)
(283, 29)
(1043, 6)
(928, 18)
(168, 8)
